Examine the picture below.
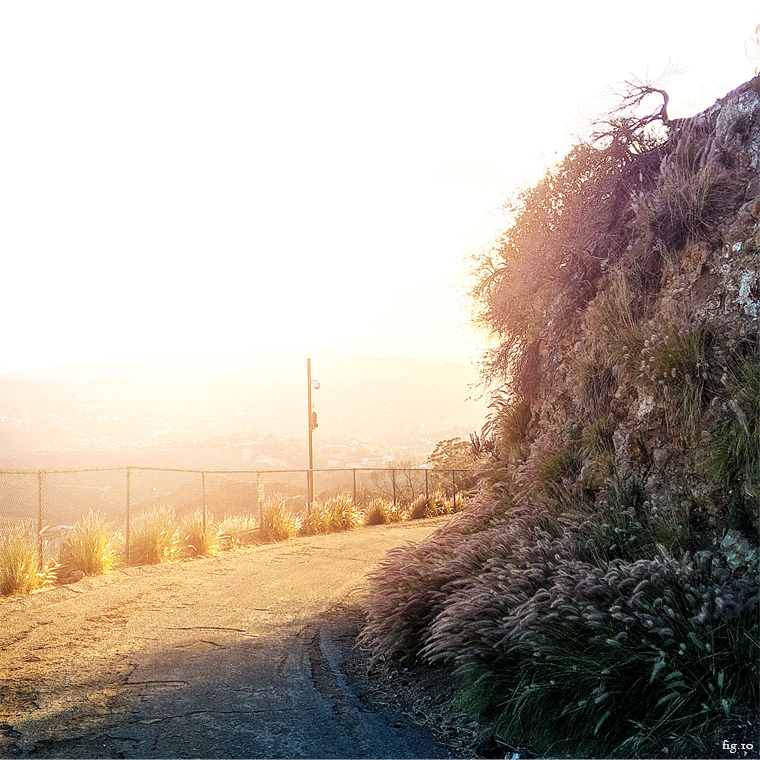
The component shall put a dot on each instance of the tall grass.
(280, 524)
(94, 546)
(619, 660)
(382, 512)
(237, 531)
(154, 538)
(21, 571)
(674, 369)
(433, 505)
(197, 541)
(579, 633)
(408, 587)
(735, 449)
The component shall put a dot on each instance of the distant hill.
(233, 411)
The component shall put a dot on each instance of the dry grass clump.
(618, 339)
(345, 514)
(559, 465)
(432, 505)
(197, 542)
(21, 571)
(280, 524)
(318, 520)
(336, 514)
(154, 538)
(237, 531)
(382, 512)
(597, 437)
(687, 204)
(594, 380)
(94, 546)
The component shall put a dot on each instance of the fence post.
(260, 502)
(126, 544)
(39, 515)
(393, 479)
(354, 486)
(203, 499)
(427, 486)
(454, 488)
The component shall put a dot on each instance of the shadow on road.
(227, 693)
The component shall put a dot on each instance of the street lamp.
(312, 426)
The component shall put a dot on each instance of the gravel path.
(249, 654)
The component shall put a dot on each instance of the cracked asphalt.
(249, 654)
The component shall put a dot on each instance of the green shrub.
(674, 369)
(154, 538)
(735, 450)
(559, 465)
(21, 571)
(94, 546)
(197, 542)
(621, 660)
(597, 439)
(544, 267)
(280, 524)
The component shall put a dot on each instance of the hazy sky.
(237, 176)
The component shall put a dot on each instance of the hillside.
(232, 412)
(600, 596)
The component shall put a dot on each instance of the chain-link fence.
(50, 502)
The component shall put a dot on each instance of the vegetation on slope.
(599, 597)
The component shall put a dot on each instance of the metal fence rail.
(51, 501)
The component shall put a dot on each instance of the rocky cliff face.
(653, 378)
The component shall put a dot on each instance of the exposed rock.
(698, 313)
(738, 551)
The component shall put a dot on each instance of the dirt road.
(242, 655)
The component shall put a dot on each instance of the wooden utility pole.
(310, 474)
